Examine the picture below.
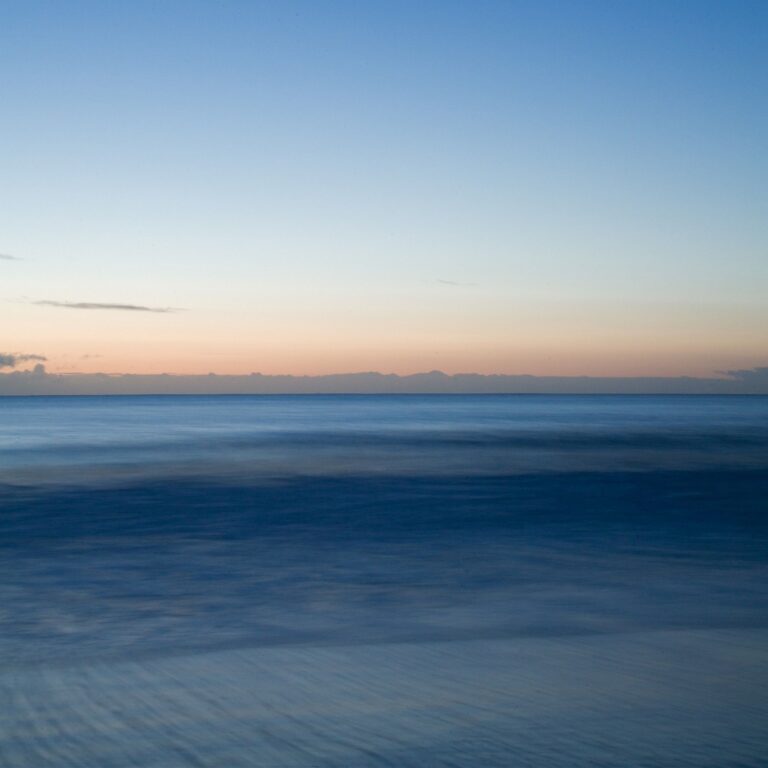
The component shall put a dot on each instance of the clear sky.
(314, 187)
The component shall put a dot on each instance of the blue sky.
(492, 186)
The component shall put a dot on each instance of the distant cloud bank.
(753, 375)
(12, 360)
(101, 305)
(753, 381)
(8, 257)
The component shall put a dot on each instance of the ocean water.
(384, 580)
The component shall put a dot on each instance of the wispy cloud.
(12, 360)
(102, 305)
(8, 257)
(457, 285)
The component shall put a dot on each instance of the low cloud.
(8, 257)
(12, 360)
(100, 305)
(749, 375)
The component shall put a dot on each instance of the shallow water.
(375, 580)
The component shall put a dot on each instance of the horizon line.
(37, 381)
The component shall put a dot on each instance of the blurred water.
(48, 439)
(373, 580)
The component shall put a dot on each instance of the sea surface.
(383, 581)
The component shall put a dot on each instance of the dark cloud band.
(101, 305)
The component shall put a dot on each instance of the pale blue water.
(373, 580)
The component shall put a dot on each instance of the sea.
(341, 581)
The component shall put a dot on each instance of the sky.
(547, 188)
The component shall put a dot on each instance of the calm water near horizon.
(82, 439)
(384, 580)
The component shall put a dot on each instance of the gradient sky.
(314, 187)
